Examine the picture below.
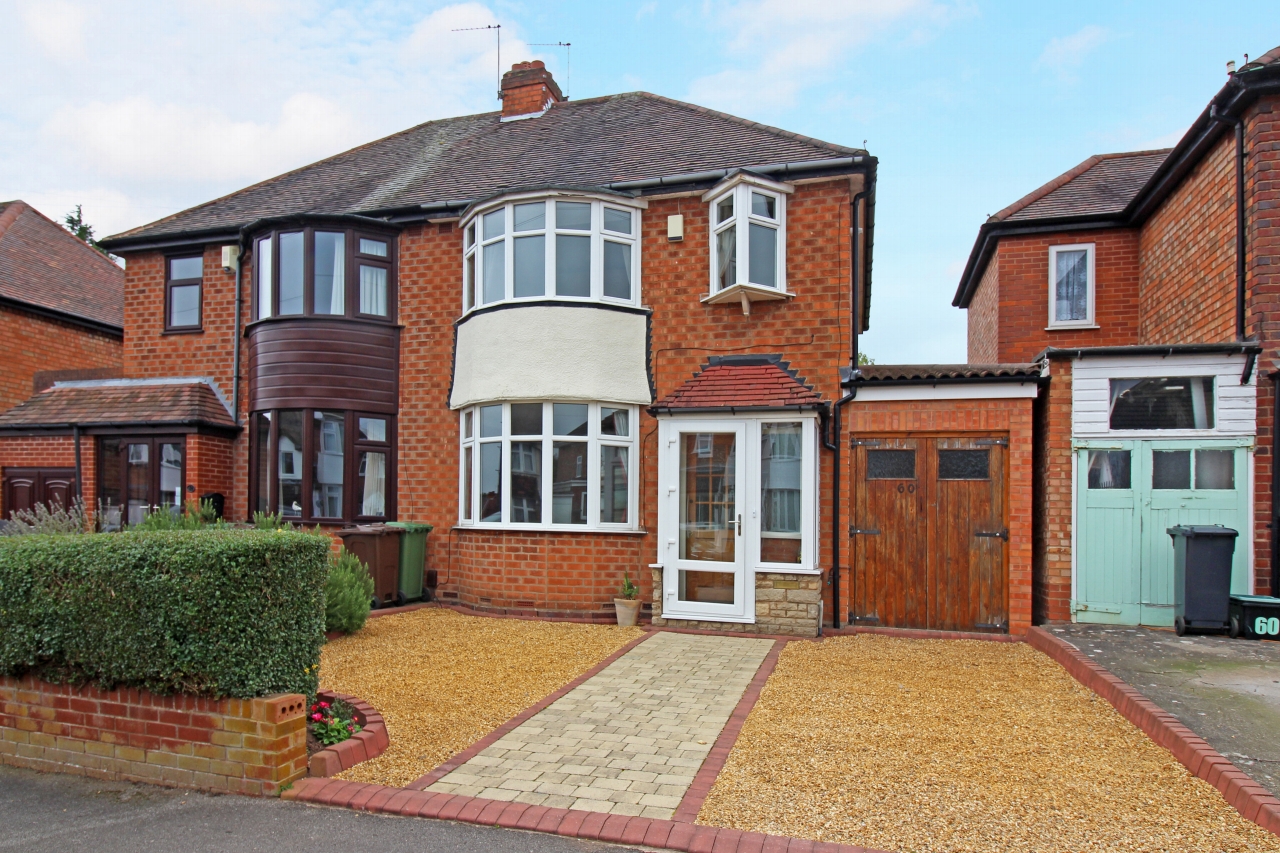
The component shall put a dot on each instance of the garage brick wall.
(35, 344)
(1011, 416)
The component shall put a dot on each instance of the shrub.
(191, 517)
(347, 593)
(42, 519)
(270, 521)
(213, 612)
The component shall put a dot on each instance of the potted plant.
(628, 606)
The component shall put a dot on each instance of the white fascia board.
(957, 391)
(741, 177)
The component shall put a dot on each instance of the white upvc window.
(558, 466)
(537, 247)
(1071, 286)
(748, 237)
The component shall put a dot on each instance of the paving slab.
(1227, 691)
(627, 741)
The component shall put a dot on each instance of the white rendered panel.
(551, 352)
(957, 391)
(1235, 405)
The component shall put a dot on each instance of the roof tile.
(120, 401)
(742, 382)
(1103, 184)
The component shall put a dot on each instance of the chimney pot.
(528, 89)
(1231, 67)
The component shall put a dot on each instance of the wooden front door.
(26, 487)
(930, 532)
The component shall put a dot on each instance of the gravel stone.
(928, 745)
(443, 680)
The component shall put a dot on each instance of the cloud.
(1064, 54)
(646, 10)
(136, 138)
(780, 47)
(447, 45)
(57, 27)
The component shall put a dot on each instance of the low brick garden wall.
(246, 746)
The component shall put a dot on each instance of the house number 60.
(911, 489)
(1263, 625)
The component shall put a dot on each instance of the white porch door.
(702, 484)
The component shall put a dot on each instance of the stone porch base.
(786, 604)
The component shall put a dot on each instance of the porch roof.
(121, 402)
(730, 383)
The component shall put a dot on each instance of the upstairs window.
(559, 248)
(324, 272)
(1071, 286)
(748, 236)
(183, 288)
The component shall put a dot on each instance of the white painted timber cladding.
(1234, 405)
(551, 352)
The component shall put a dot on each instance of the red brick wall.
(1011, 416)
(246, 746)
(209, 467)
(34, 344)
(1053, 498)
(984, 317)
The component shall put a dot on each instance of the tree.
(83, 230)
(863, 358)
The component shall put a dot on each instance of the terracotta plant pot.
(628, 610)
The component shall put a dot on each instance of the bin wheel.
(374, 603)
(400, 599)
(1234, 631)
(1179, 626)
(426, 595)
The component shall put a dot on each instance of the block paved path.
(627, 741)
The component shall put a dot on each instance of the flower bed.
(367, 742)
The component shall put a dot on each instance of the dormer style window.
(1071, 286)
(324, 272)
(182, 294)
(748, 239)
(559, 247)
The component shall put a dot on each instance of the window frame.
(352, 447)
(153, 471)
(594, 440)
(353, 259)
(1090, 313)
(809, 510)
(471, 228)
(740, 187)
(170, 283)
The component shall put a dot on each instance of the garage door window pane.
(1171, 469)
(1215, 469)
(1109, 469)
(1176, 402)
(964, 465)
(891, 464)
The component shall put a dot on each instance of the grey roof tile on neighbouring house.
(627, 137)
(1104, 184)
(887, 373)
(46, 267)
(156, 402)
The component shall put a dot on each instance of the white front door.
(702, 487)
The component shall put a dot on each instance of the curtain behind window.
(1073, 286)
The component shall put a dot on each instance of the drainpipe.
(75, 432)
(235, 359)
(1275, 488)
(833, 443)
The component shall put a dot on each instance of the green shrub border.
(213, 612)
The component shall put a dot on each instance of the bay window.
(552, 248)
(748, 238)
(323, 465)
(324, 272)
(551, 465)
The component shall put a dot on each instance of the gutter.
(784, 169)
(734, 410)
(1242, 347)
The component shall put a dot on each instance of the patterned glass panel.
(891, 464)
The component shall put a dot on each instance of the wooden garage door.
(929, 532)
(26, 487)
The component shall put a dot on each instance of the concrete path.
(54, 813)
(627, 741)
(1227, 691)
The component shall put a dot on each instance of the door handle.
(993, 534)
(739, 524)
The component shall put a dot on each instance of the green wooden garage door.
(1128, 493)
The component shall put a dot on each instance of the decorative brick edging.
(488, 740)
(593, 826)
(367, 743)
(921, 634)
(705, 779)
(1247, 796)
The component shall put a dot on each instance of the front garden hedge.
(215, 612)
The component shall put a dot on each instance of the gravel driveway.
(936, 745)
(1227, 691)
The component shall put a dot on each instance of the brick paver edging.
(691, 803)
(1247, 796)
(367, 743)
(593, 826)
(423, 782)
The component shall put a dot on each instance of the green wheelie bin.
(413, 559)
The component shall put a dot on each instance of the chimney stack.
(528, 89)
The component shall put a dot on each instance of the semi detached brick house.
(61, 318)
(582, 339)
(1147, 285)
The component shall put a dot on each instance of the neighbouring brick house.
(1145, 284)
(61, 317)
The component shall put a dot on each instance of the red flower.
(317, 717)
(324, 704)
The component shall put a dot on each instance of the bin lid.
(369, 530)
(1268, 600)
(1191, 531)
(411, 526)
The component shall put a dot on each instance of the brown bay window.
(318, 465)
(324, 272)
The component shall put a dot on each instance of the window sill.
(562, 528)
(1065, 327)
(750, 292)
(198, 330)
